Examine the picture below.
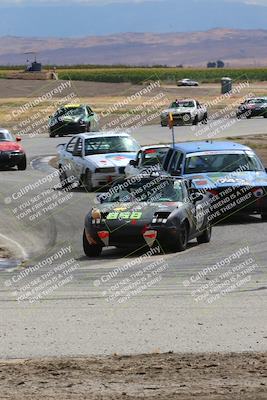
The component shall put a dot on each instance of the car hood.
(10, 146)
(148, 210)
(71, 118)
(111, 160)
(225, 179)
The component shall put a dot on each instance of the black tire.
(195, 122)
(265, 115)
(87, 181)
(205, 236)
(248, 116)
(205, 119)
(63, 178)
(88, 127)
(182, 239)
(52, 134)
(91, 250)
(23, 164)
(264, 217)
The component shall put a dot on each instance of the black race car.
(253, 107)
(146, 211)
(73, 119)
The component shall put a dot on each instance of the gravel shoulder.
(152, 376)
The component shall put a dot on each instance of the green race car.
(73, 119)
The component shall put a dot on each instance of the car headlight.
(96, 214)
(108, 170)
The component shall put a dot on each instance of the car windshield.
(153, 156)
(225, 162)
(185, 104)
(257, 101)
(110, 144)
(156, 190)
(72, 111)
(6, 137)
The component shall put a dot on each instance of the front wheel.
(205, 236)
(195, 122)
(23, 164)
(264, 217)
(182, 239)
(90, 250)
(205, 119)
(265, 115)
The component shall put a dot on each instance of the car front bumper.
(10, 159)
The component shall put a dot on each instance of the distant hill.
(234, 47)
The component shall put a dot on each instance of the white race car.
(96, 159)
(148, 159)
(188, 111)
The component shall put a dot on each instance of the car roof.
(88, 135)
(155, 146)
(200, 146)
(3, 130)
(72, 105)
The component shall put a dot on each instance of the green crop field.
(140, 74)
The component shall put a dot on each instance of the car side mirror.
(176, 172)
(133, 163)
(18, 139)
(77, 153)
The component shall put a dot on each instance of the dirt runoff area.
(154, 376)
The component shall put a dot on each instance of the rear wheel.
(264, 217)
(205, 236)
(91, 250)
(23, 164)
(63, 177)
(265, 115)
(87, 181)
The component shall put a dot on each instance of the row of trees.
(216, 64)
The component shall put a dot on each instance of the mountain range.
(235, 47)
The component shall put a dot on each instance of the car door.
(68, 161)
(94, 119)
(176, 163)
(78, 159)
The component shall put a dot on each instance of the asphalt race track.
(83, 316)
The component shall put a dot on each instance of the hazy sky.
(99, 17)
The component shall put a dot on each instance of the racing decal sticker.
(128, 215)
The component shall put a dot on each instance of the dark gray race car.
(147, 210)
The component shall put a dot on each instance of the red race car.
(11, 152)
